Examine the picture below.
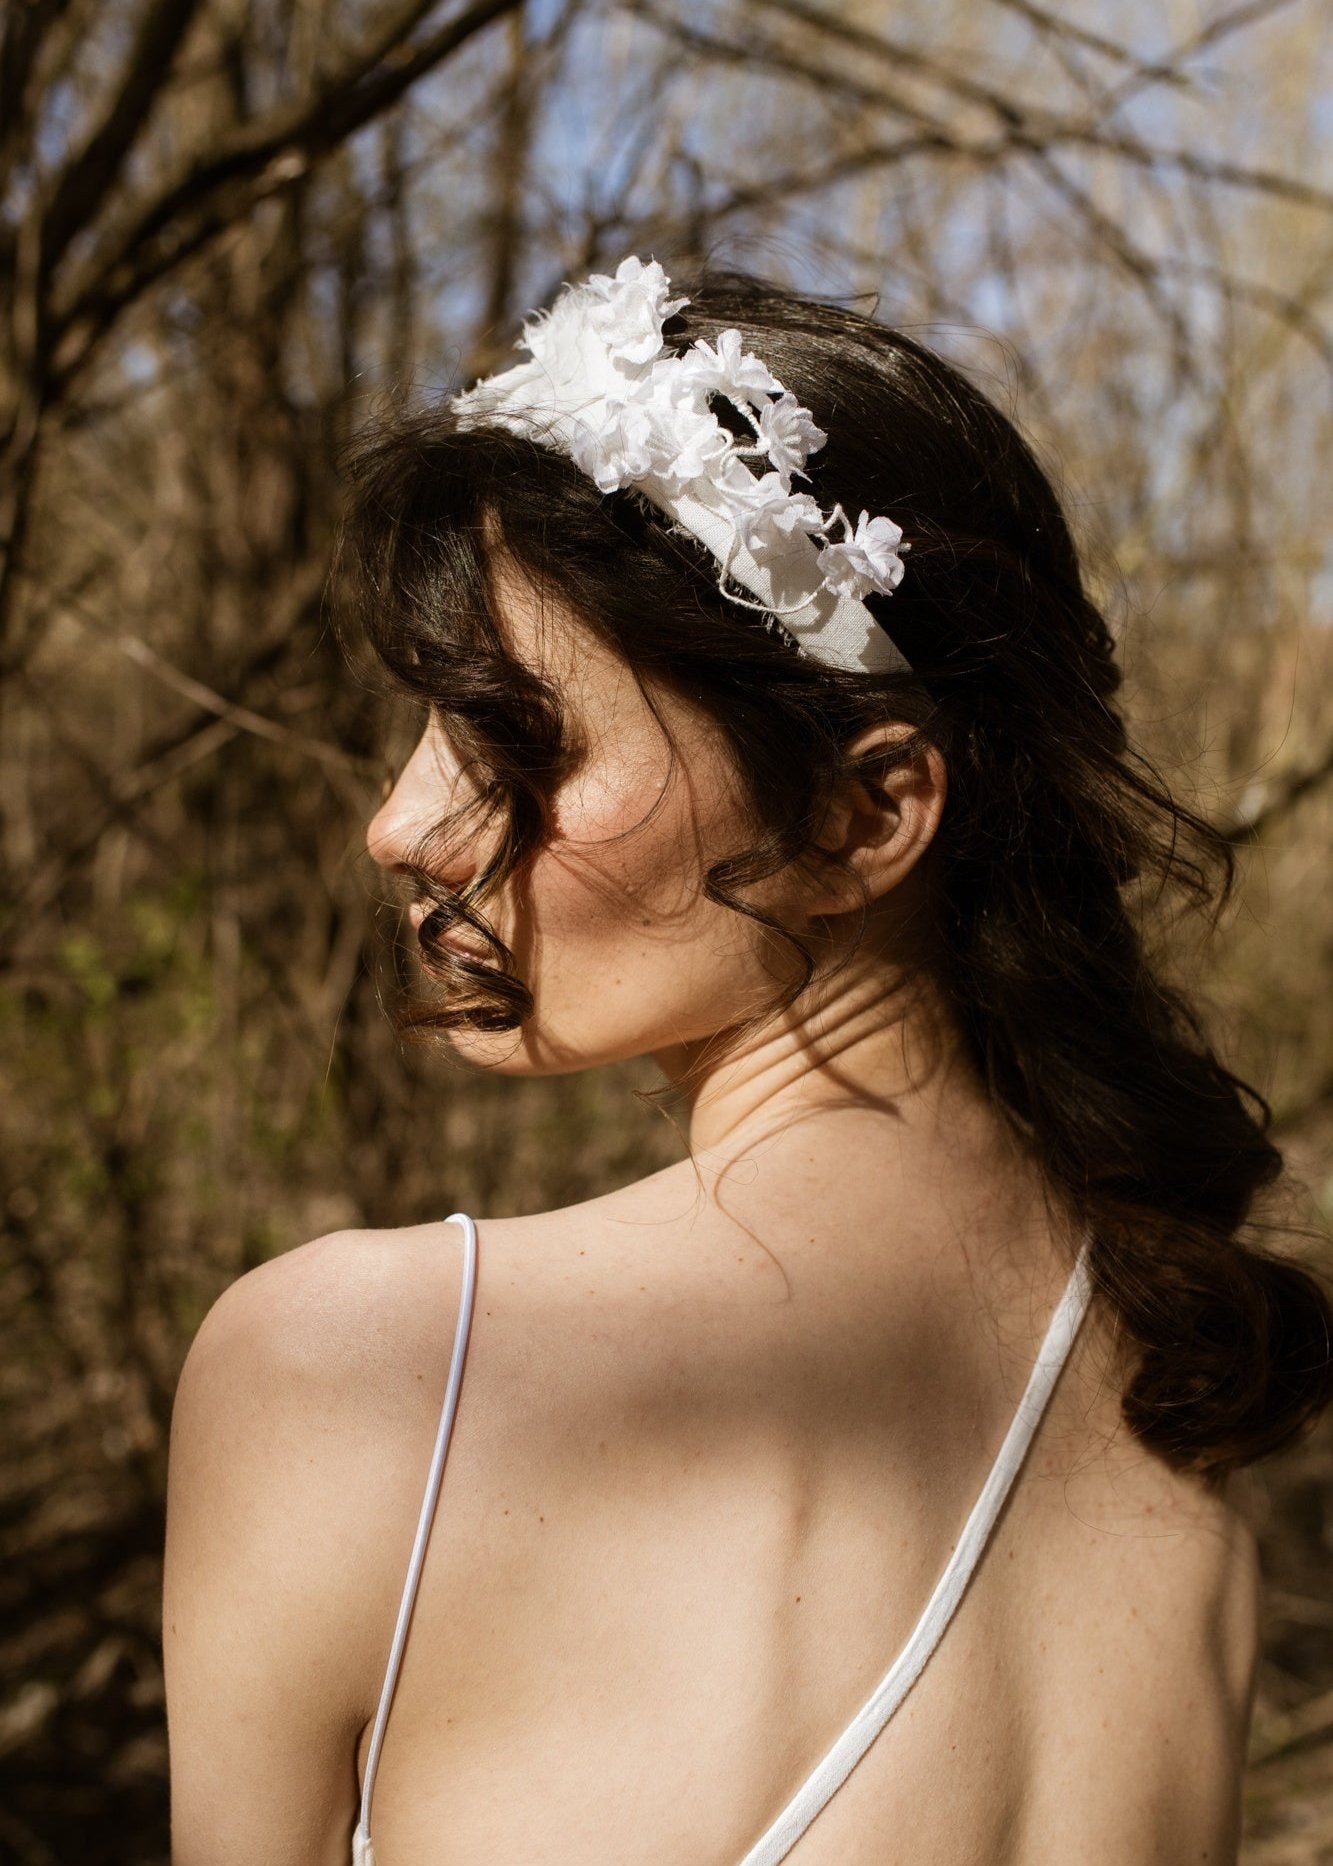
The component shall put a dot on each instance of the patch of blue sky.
(139, 363)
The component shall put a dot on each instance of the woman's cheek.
(618, 906)
(615, 936)
(622, 846)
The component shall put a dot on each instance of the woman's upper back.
(705, 1473)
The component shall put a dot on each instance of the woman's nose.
(427, 790)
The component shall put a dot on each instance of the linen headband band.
(603, 388)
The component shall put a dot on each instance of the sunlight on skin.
(624, 953)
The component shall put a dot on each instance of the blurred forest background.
(231, 231)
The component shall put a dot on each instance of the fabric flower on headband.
(604, 387)
(867, 559)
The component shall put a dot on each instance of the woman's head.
(482, 563)
(494, 569)
(620, 946)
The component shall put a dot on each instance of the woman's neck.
(869, 1040)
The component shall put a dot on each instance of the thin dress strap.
(362, 1852)
(842, 1758)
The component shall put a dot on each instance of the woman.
(856, 1490)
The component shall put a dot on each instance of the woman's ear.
(882, 819)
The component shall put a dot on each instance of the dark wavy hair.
(1055, 834)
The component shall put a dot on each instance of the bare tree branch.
(242, 717)
(1042, 129)
(1050, 25)
(1271, 802)
(506, 227)
(53, 331)
(88, 179)
(1144, 268)
(1249, 13)
(258, 160)
(1155, 156)
(744, 55)
(26, 27)
(203, 736)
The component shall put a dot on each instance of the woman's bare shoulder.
(322, 1309)
(613, 1309)
(300, 1433)
(324, 1350)
(346, 1339)
(301, 1439)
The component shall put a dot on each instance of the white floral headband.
(603, 388)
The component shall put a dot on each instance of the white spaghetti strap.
(837, 1765)
(362, 1851)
